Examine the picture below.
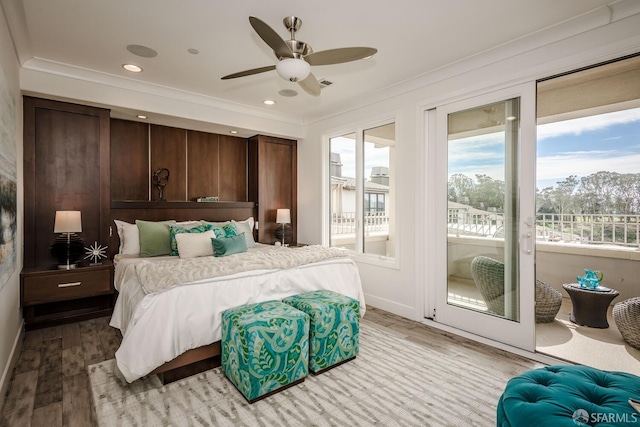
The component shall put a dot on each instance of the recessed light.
(193, 51)
(268, 102)
(233, 132)
(131, 67)
(140, 116)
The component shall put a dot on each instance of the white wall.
(587, 40)
(10, 314)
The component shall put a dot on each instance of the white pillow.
(191, 245)
(129, 238)
(246, 227)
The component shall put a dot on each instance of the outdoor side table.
(589, 307)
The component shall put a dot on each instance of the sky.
(578, 147)
(347, 149)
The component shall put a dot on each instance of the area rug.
(392, 382)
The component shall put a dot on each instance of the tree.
(563, 194)
(459, 186)
(488, 192)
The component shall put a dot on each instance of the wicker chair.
(488, 274)
(626, 314)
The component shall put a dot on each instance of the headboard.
(180, 211)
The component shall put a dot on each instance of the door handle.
(529, 243)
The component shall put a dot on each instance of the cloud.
(587, 124)
(559, 166)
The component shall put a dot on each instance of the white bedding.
(160, 326)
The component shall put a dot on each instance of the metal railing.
(621, 230)
(346, 222)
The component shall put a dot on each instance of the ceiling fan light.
(293, 69)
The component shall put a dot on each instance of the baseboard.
(390, 306)
(8, 369)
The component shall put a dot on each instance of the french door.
(483, 199)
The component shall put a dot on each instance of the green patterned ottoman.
(335, 327)
(265, 348)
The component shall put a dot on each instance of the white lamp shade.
(68, 222)
(293, 69)
(283, 216)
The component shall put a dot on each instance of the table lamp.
(68, 247)
(283, 216)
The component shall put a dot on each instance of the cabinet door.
(66, 167)
(273, 182)
(202, 161)
(233, 168)
(129, 160)
(168, 151)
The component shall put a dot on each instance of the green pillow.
(154, 237)
(229, 245)
(177, 229)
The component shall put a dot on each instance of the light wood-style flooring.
(50, 387)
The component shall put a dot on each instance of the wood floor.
(50, 387)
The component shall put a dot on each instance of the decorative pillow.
(246, 227)
(229, 245)
(154, 237)
(191, 245)
(184, 228)
(219, 232)
(129, 239)
(215, 224)
(230, 230)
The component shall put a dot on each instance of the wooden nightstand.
(53, 297)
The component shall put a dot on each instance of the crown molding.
(45, 66)
(596, 18)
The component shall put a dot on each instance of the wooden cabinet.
(66, 167)
(50, 297)
(129, 160)
(273, 182)
(199, 163)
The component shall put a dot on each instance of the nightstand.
(53, 297)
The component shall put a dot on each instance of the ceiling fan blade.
(270, 37)
(249, 72)
(338, 56)
(310, 85)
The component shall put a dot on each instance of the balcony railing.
(345, 222)
(622, 230)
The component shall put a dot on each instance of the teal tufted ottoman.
(265, 348)
(335, 327)
(569, 396)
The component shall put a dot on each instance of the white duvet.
(158, 327)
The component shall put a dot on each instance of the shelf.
(142, 204)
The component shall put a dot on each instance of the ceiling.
(413, 37)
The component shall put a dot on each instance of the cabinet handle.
(68, 285)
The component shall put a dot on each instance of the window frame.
(358, 254)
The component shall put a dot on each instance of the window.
(361, 174)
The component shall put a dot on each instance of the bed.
(169, 324)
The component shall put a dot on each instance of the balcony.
(565, 246)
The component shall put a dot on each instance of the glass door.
(485, 193)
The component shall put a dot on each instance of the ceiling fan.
(296, 57)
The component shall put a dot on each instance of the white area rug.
(392, 382)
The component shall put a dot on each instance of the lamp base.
(67, 250)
